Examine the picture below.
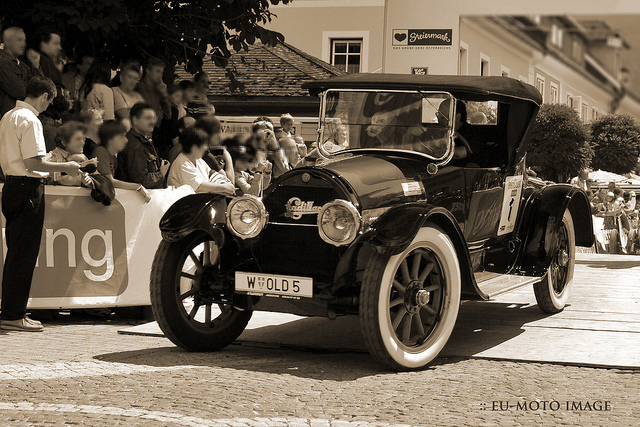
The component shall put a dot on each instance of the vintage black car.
(420, 198)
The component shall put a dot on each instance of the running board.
(505, 283)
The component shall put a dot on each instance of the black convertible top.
(458, 86)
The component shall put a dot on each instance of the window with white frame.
(575, 102)
(584, 113)
(504, 71)
(347, 54)
(556, 35)
(463, 65)
(540, 86)
(594, 114)
(577, 50)
(484, 65)
(571, 101)
(554, 93)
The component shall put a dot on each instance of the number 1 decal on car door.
(510, 204)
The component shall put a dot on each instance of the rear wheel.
(191, 301)
(552, 291)
(409, 302)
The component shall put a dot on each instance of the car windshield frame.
(446, 136)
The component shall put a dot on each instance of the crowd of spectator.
(142, 133)
(618, 208)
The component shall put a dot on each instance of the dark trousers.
(23, 208)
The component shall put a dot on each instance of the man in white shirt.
(22, 153)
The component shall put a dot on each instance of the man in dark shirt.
(13, 72)
(167, 133)
(139, 162)
(200, 105)
(154, 90)
(50, 46)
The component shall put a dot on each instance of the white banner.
(93, 255)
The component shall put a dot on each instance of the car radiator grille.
(292, 245)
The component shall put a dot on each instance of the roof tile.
(265, 71)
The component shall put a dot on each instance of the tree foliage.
(559, 143)
(181, 31)
(616, 143)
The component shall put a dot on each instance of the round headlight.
(339, 222)
(246, 216)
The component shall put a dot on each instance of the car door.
(494, 201)
(485, 191)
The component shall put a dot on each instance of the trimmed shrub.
(559, 143)
(615, 139)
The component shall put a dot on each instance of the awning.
(603, 178)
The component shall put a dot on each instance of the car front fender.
(204, 212)
(395, 229)
(547, 207)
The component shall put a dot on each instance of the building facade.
(569, 61)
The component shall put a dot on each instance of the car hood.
(380, 180)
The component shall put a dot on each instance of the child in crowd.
(252, 175)
(267, 145)
(286, 126)
(70, 142)
(113, 137)
(92, 120)
(302, 147)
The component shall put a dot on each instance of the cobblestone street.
(79, 372)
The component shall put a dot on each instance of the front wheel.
(190, 298)
(409, 302)
(552, 291)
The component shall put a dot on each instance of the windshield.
(416, 121)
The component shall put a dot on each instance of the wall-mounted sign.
(435, 46)
(421, 71)
(432, 37)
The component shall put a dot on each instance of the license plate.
(274, 285)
